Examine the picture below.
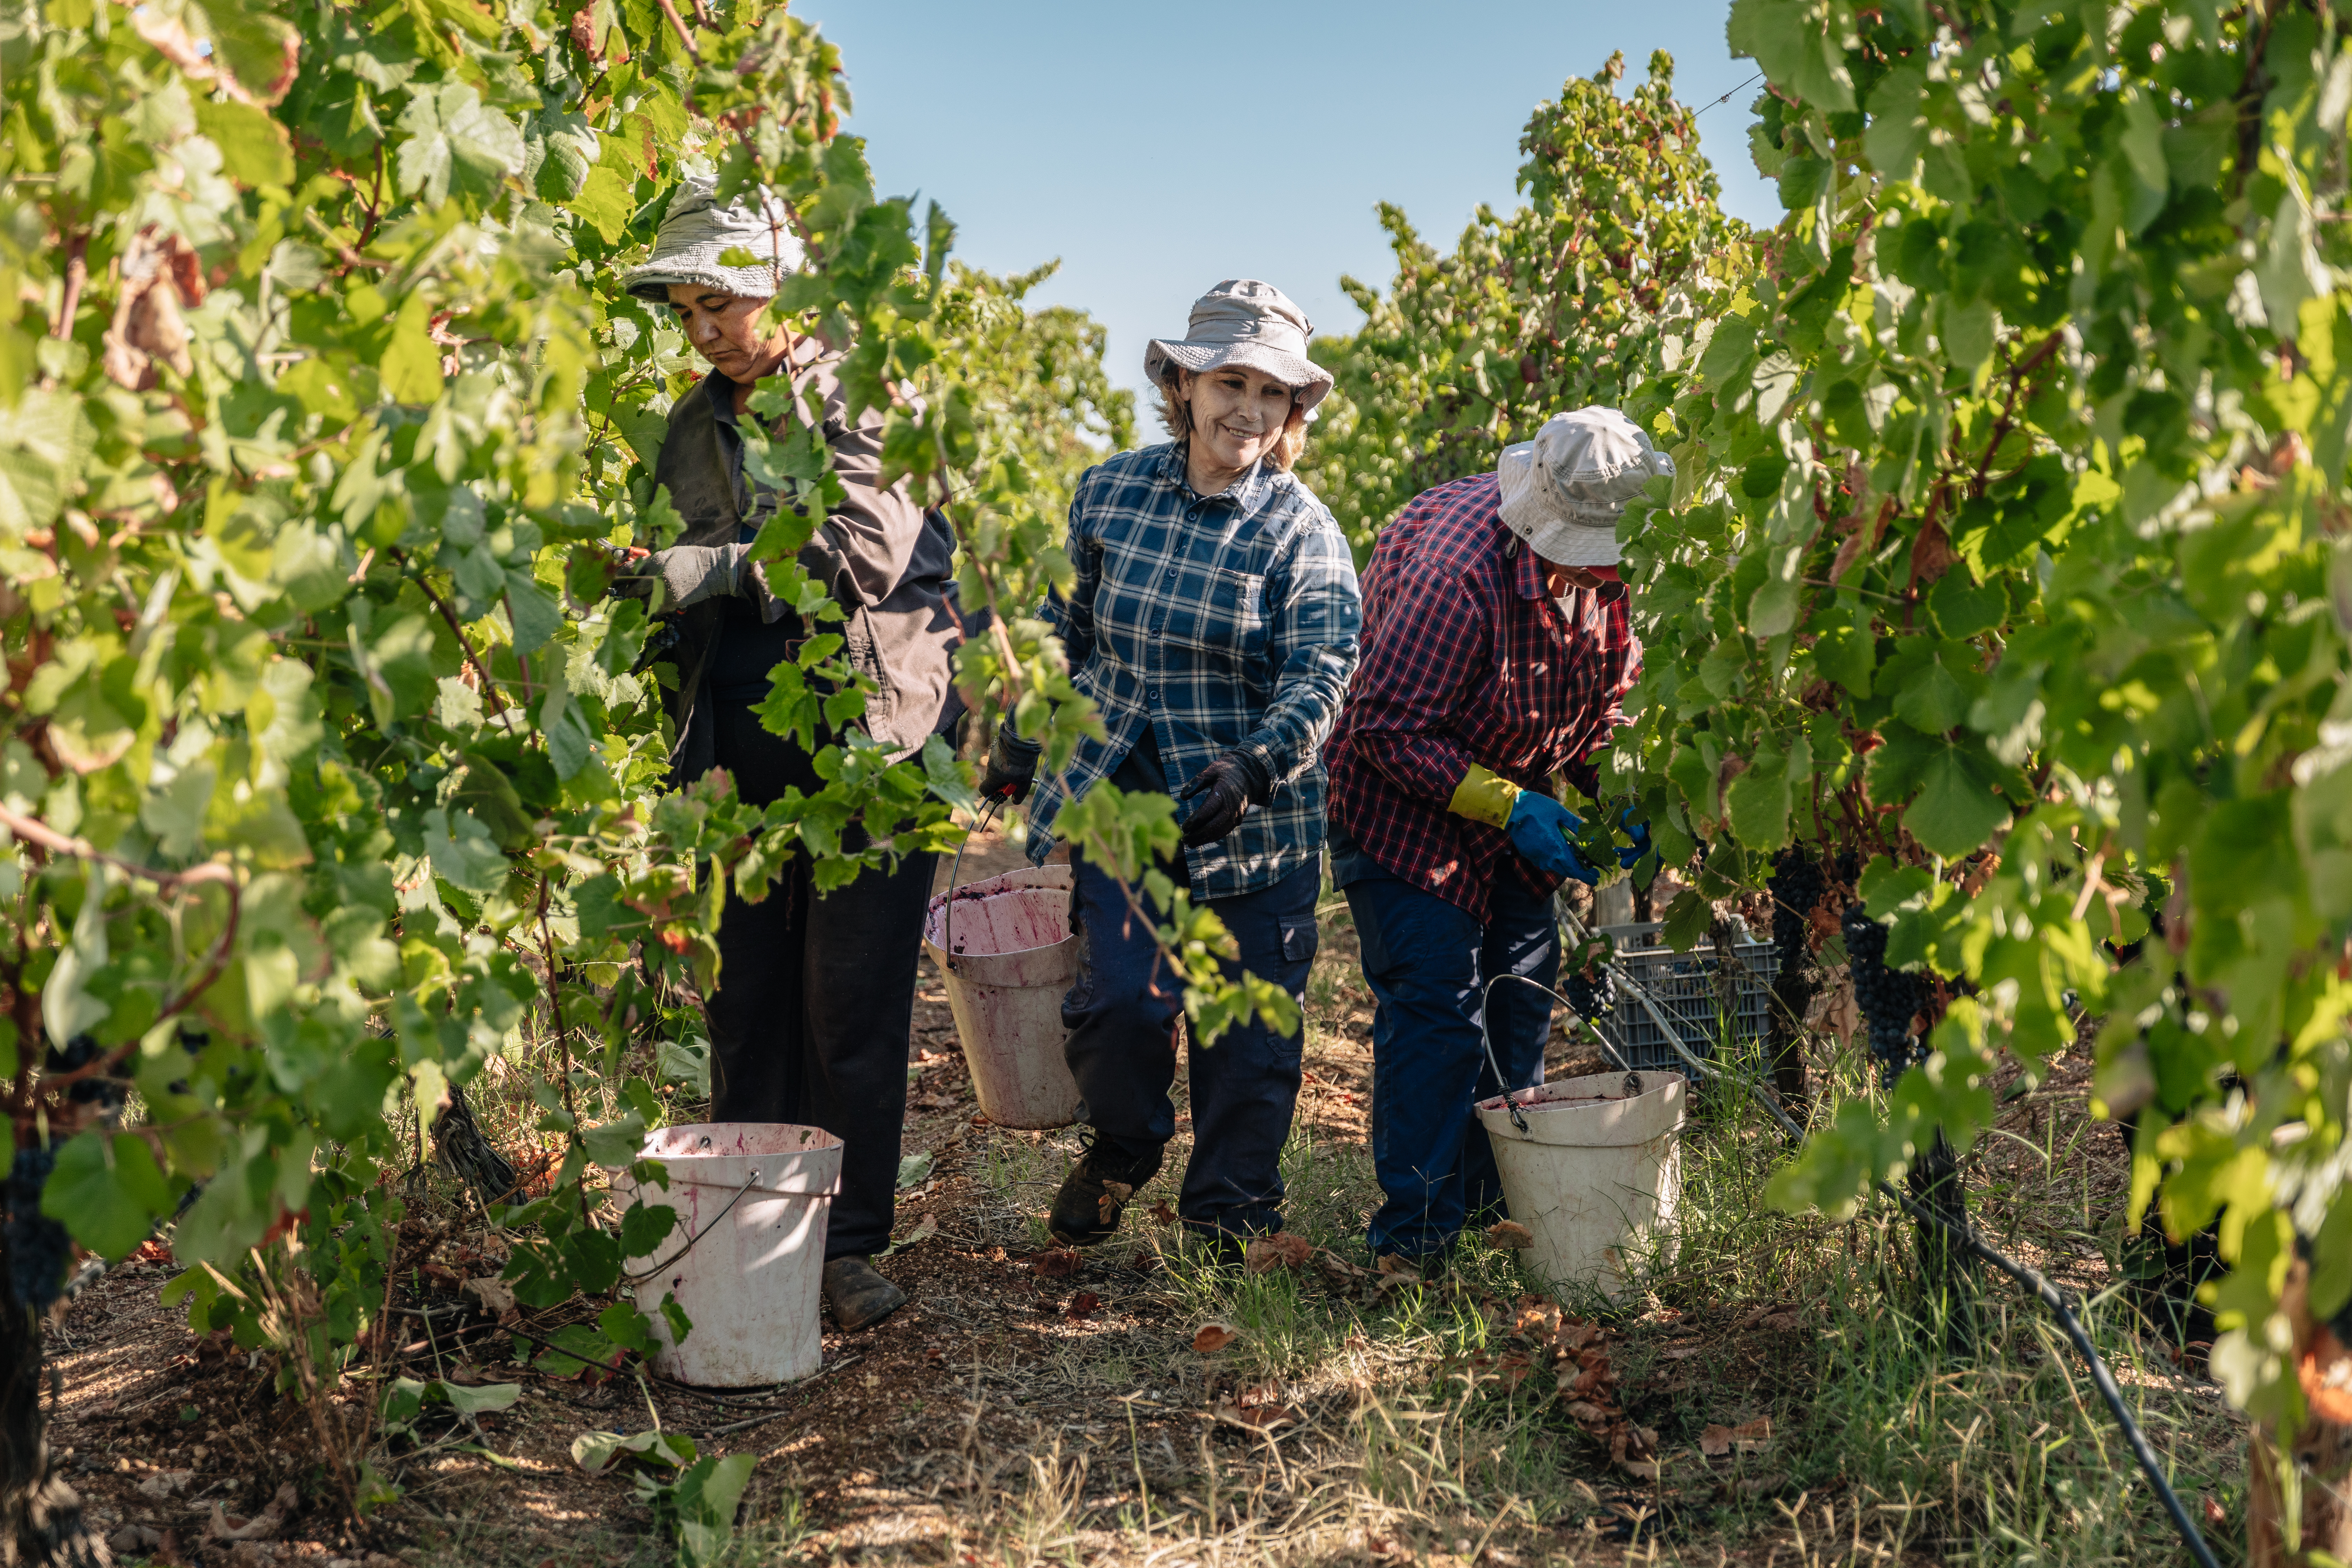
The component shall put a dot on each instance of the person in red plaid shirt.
(1495, 648)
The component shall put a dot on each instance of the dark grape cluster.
(1592, 998)
(107, 1093)
(1887, 997)
(39, 1250)
(1797, 885)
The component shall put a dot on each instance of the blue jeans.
(1121, 1013)
(1428, 961)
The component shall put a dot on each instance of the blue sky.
(1159, 148)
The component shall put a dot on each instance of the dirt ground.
(1015, 1370)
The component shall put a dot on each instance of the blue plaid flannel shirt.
(1226, 623)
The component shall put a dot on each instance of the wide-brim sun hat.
(699, 229)
(1243, 321)
(1564, 491)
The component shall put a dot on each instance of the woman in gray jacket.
(809, 1022)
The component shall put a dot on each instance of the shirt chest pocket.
(1225, 614)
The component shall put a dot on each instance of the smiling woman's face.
(1238, 415)
(724, 329)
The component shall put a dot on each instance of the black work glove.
(1012, 767)
(1230, 783)
(685, 574)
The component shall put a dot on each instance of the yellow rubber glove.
(1481, 796)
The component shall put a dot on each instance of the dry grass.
(1017, 1415)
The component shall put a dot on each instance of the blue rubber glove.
(1539, 827)
(1640, 833)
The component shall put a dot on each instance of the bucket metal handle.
(955, 869)
(1485, 1038)
(656, 1272)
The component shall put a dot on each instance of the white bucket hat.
(1564, 491)
(697, 230)
(1246, 322)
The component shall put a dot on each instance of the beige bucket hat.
(699, 229)
(1246, 322)
(1564, 491)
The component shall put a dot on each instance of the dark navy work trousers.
(1121, 1013)
(1428, 964)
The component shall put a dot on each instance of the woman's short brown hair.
(1176, 418)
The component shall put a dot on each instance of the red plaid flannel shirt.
(1465, 658)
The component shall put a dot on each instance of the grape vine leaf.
(1956, 812)
(456, 142)
(108, 1191)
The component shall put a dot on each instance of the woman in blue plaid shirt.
(1214, 622)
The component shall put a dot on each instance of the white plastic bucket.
(746, 1259)
(1006, 949)
(1597, 1171)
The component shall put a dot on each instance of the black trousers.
(816, 996)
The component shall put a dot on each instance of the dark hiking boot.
(858, 1295)
(1094, 1193)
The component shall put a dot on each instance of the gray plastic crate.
(1683, 985)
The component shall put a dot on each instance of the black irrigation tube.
(2034, 1284)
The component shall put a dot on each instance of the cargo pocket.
(1299, 941)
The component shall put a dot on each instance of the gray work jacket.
(886, 562)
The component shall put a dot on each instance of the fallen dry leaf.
(262, 1526)
(1574, 1336)
(1748, 1437)
(1056, 1262)
(1214, 1337)
(1284, 1249)
(495, 1294)
(1510, 1233)
(1113, 1201)
(1084, 1304)
(1339, 1268)
(1583, 1381)
(1260, 1406)
(1635, 1448)
(1537, 1319)
(1782, 1323)
(1163, 1212)
(1680, 1353)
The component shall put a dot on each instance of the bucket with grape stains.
(745, 1261)
(1593, 1167)
(1009, 956)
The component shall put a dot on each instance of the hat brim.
(652, 280)
(1576, 544)
(1309, 380)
